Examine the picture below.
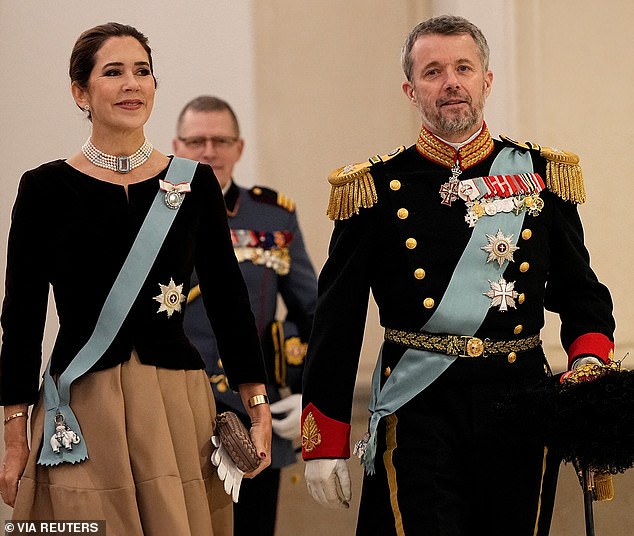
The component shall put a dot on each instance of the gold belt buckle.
(473, 347)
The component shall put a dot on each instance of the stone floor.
(299, 515)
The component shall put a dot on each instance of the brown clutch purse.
(237, 441)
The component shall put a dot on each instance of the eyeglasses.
(199, 142)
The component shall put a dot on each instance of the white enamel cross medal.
(502, 294)
(449, 190)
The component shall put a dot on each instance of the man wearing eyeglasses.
(269, 246)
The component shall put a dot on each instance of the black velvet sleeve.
(26, 295)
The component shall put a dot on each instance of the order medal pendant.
(63, 436)
(174, 193)
(450, 189)
(173, 199)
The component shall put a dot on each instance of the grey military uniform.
(269, 245)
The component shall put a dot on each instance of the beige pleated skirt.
(149, 473)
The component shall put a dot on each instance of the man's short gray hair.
(443, 25)
(208, 103)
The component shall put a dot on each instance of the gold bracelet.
(15, 416)
(257, 400)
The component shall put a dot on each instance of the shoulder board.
(271, 197)
(514, 142)
(563, 172)
(352, 187)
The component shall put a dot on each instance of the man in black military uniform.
(269, 245)
(463, 241)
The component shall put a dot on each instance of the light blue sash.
(461, 310)
(122, 295)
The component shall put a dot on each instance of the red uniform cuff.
(595, 344)
(323, 437)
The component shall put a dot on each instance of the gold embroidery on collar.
(445, 155)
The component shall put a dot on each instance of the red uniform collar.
(468, 155)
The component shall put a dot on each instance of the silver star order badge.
(502, 294)
(500, 247)
(170, 298)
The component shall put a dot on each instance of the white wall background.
(316, 84)
(198, 47)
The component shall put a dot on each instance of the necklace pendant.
(123, 164)
(120, 164)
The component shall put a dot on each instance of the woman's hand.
(16, 453)
(261, 427)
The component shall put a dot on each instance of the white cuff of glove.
(586, 360)
(328, 482)
(228, 471)
(289, 426)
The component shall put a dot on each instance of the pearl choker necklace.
(120, 164)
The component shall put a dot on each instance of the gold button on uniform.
(524, 267)
(526, 234)
(257, 191)
(395, 185)
(518, 329)
(387, 372)
(511, 357)
(521, 298)
(429, 303)
(411, 243)
(402, 213)
(419, 273)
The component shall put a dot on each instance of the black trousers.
(448, 465)
(256, 509)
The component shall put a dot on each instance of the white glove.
(228, 471)
(289, 426)
(328, 482)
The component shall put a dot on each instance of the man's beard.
(455, 124)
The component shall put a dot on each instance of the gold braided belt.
(460, 345)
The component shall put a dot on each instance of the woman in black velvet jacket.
(145, 408)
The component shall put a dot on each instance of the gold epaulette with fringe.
(563, 172)
(563, 175)
(352, 187)
(285, 202)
